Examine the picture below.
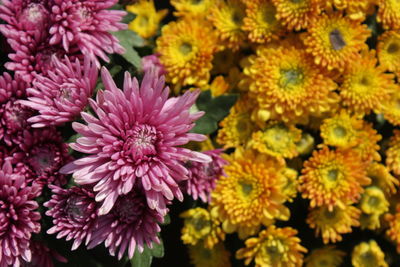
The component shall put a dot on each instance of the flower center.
(185, 48)
(365, 81)
(75, 209)
(129, 208)
(340, 131)
(290, 78)
(42, 159)
(393, 48)
(246, 188)
(333, 175)
(373, 201)
(336, 39)
(143, 20)
(330, 215)
(16, 116)
(196, 2)
(84, 14)
(33, 16)
(269, 14)
(141, 142)
(66, 91)
(237, 18)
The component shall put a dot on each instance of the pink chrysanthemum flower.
(13, 116)
(43, 256)
(74, 213)
(153, 62)
(87, 24)
(202, 176)
(129, 225)
(18, 218)
(42, 155)
(136, 135)
(62, 94)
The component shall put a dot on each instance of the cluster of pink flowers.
(135, 162)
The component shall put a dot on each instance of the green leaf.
(167, 220)
(158, 249)
(220, 106)
(128, 39)
(205, 125)
(144, 259)
(128, 18)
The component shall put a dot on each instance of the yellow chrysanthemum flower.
(200, 226)
(147, 18)
(277, 139)
(368, 146)
(260, 22)
(389, 51)
(227, 17)
(306, 144)
(391, 108)
(250, 194)
(192, 8)
(335, 40)
(393, 153)
(287, 85)
(373, 201)
(332, 223)
(333, 178)
(237, 127)
(298, 15)
(388, 14)
(203, 257)
(365, 85)
(341, 130)
(186, 49)
(278, 247)
(327, 256)
(394, 226)
(382, 178)
(355, 9)
(368, 254)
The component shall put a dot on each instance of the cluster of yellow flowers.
(316, 83)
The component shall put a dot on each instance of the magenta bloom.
(74, 213)
(42, 256)
(202, 176)
(13, 116)
(63, 93)
(153, 62)
(42, 155)
(87, 24)
(130, 224)
(18, 218)
(136, 136)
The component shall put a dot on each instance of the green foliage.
(216, 109)
(129, 39)
(144, 259)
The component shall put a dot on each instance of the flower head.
(326, 256)
(86, 24)
(134, 137)
(186, 49)
(250, 194)
(62, 94)
(18, 216)
(335, 40)
(203, 176)
(130, 225)
(368, 254)
(203, 257)
(147, 20)
(333, 178)
(381, 177)
(274, 246)
(389, 51)
(260, 22)
(287, 85)
(74, 214)
(332, 223)
(200, 226)
(373, 201)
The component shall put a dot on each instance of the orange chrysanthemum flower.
(368, 254)
(298, 15)
(393, 153)
(277, 139)
(365, 85)
(389, 51)
(332, 223)
(335, 40)
(201, 227)
(237, 127)
(326, 256)
(278, 247)
(333, 178)
(381, 177)
(227, 17)
(186, 49)
(203, 257)
(261, 22)
(287, 85)
(250, 194)
(190, 8)
(388, 14)
(394, 226)
(367, 146)
(341, 130)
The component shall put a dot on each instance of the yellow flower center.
(269, 14)
(365, 81)
(373, 201)
(143, 20)
(246, 188)
(336, 40)
(237, 18)
(274, 249)
(244, 126)
(330, 178)
(290, 78)
(393, 48)
(185, 48)
(196, 2)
